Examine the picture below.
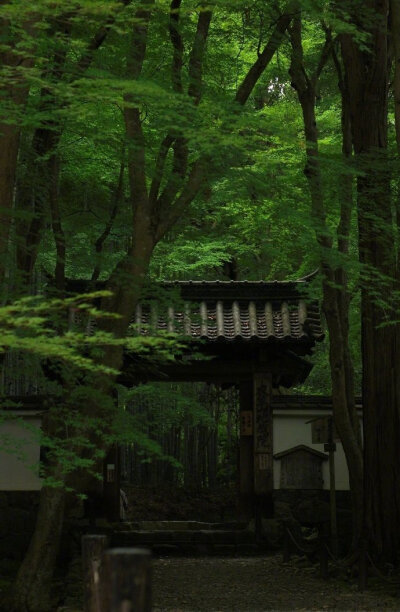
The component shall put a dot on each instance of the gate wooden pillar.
(246, 451)
(256, 448)
(263, 447)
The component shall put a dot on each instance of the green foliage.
(253, 210)
(37, 326)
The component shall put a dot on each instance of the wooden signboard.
(264, 461)
(246, 423)
(263, 467)
(301, 469)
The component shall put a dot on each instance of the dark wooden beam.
(229, 366)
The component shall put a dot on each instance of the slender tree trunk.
(58, 232)
(15, 93)
(335, 300)
(45, 142)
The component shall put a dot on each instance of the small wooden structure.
(301, 467)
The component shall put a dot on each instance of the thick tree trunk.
(395, 36)
(368, 85)
(32, 586)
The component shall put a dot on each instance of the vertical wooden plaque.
(246, 455)
(263, 432)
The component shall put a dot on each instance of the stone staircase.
(188, 538)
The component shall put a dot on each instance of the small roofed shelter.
(256, 335)
(301, 467)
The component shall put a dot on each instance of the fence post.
(127, 580)
(93, 547)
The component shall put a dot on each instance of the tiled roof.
(233, 310)
(307, 402)
(303, 448)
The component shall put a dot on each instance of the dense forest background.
(145, 141)
(250, 220)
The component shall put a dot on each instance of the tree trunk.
(395, 36)
(32, 586)
(367, 72)
(335, 302)
(16, 94)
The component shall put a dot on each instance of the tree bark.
(32, 586)
(31, 590)
(367, 71)
(395, 37)
(335, 301)
(15, 93)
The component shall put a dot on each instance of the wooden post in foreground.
(127, 580)
(93, 547)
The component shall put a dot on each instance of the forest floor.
(258, 583)
(255, 584)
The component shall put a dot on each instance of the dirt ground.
(259, 584)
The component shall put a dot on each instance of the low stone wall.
(308, 507)
(17, 520)
(296, 496)
(18, 514)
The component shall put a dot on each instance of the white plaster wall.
(15, 473)
(290, 429)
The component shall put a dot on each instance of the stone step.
(188, 537)
(230, 550)
(195, 543)
(181, 526)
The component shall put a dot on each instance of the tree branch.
(99, 244)
(180, 158)
(169, 216)
(56, 224)
(300, 80)
(197, 55)
(96, 42)
(256, 70)
(323, 58)
(305, 88)
(180, 149)
(159, 167)
(177, 43)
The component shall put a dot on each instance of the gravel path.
(257, 584)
